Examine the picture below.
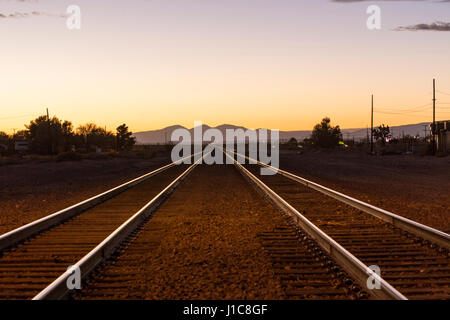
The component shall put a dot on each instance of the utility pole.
(433, 131)
(14, 138)
(50, 146)
(371, 129)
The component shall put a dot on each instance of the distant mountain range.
(164, 135)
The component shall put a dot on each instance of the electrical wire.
(448, 94)
(17, 117)
(401, 111)
(413, 109)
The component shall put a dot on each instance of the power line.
(414, 115)
(17, 117)
(412, 109)
(400, 112)
(443, 92)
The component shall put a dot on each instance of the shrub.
(68, 156)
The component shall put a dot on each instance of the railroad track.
(135, 272)
(304, 269)
(316, 253)
(414, 259)
(34, 255)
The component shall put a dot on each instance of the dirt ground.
(30, 191)
(415, 187)
(411, 186)
(201, 244)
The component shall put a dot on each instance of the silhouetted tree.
(52, 136)
(292, 143)
(326, 136)
(45, 135)
(3, 137)
(20, 135)
(4, 142)
(68, 135)
(93, 136)
(382, 133)
(124, 139)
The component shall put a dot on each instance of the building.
(442, 135)
(21, 145)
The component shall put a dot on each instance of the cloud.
(14, 15)
(435, 26)
(352, 1)
(30, 14)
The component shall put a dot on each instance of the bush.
(326, 136)
(68, 156)
(98, 156)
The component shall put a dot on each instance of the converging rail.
(417, 264)
(22, 233)
(26, 267)
(321, 251)
(350, 263)
(58, 289)
(438, 237)
(195, 248)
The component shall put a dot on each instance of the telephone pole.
(433, 131)
(50, 146)
(367, 133)
(14, 138)
(371, 129)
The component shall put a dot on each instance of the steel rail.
(15, 236)
(58, 289)
(438, 237)
(352, 265)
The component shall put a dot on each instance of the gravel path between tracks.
(33, 190)
(201, 244)
(411, 186)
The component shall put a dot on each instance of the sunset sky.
(257, 63)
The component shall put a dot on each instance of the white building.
(21, 145)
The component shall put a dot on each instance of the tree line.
(50, 136)
(324, 135)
